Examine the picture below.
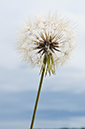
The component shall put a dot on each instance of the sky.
(62, 102)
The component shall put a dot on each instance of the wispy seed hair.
(49, 35)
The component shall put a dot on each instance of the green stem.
(38, 94)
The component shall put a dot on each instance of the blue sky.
(62, 102)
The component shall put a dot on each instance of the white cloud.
(76, 122)
(9, 59)
(15, 76)
(69, 123)
(14, 125)
(10, 23)
(66, 79)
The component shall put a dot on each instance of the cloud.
(55, 109)
(25, 79)
(16, 104)
(69, 123)
(15, 14)
(76, 122)
(61, 93)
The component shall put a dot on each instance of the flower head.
(50, 38)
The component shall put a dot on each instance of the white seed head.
(49, 35)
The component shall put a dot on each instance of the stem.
(38, 94)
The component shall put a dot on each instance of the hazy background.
(62, 101)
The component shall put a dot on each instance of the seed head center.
(47, 47)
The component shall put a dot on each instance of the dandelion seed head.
(51, 36)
